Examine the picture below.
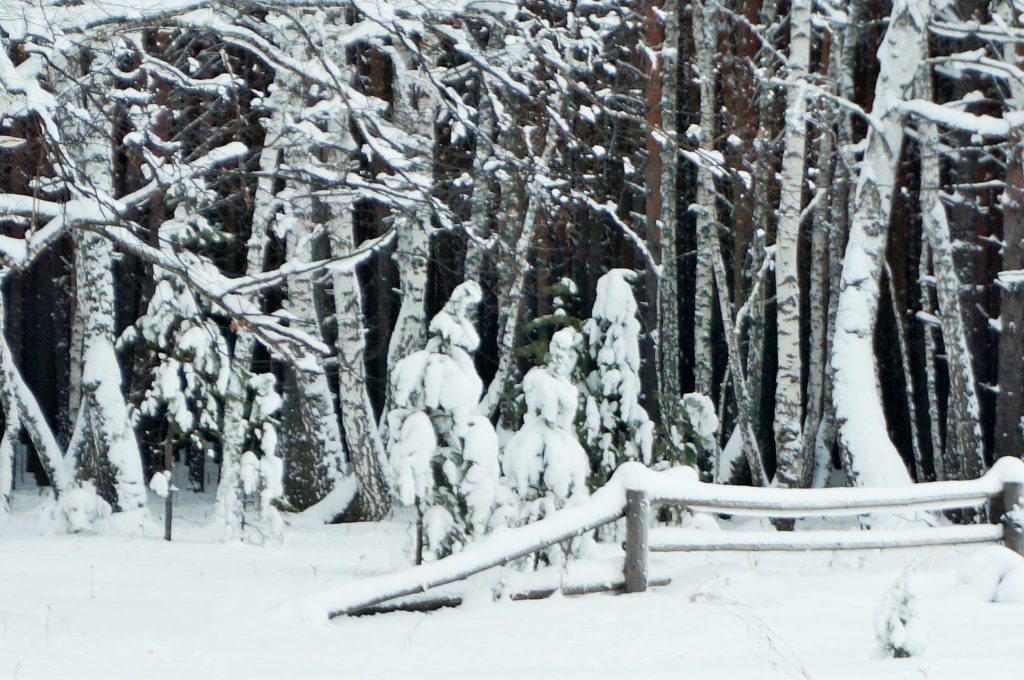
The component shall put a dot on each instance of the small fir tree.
(617, 427)
(443, 456)
(544, 459)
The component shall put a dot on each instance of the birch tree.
(788, 385)
(869, 457)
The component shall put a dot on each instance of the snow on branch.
(987, 126)
(610, 210)
(17, 254)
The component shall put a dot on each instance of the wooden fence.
(642, 540)
(635, 493)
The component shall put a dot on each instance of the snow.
(160, 483)
(137, 606)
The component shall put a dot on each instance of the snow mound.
(995, 574)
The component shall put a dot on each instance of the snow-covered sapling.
(544, 459)
(688, 430)
(898, 625)
(618, 428)
(186, 352)
(442, 455)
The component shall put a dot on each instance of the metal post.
(1013, 517)
(638, 510)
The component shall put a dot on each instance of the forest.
(393, 338)
(469, 257)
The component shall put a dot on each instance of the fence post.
(1013, 528)
(638, 510)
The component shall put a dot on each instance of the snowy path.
(108, 607)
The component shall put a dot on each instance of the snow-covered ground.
(111, 607)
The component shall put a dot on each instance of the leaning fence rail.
(634, 492)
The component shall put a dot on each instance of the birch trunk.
(705, 38)
(930, 359)
(414, 112)
(12, 427)
(788, 385)
(751, 449)
(481, 202)
(7, 441)
(28, 413)
(366, 450)
(229, 509)
(102, 440)
(869, 457)
(908, 378)
(1009, 425)
(668, 284)
(816, 458)
(316, 461)
(839, 228)
(963, 399)
(511, 301)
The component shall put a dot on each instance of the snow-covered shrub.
(444, 458)
(77, 509)
(618, 428)
(543, 458)
(687, 431)
(898, 625)
(262, 477)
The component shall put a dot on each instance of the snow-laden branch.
(610, 210)
(1011, 279)
(17, 254)
(987, 126)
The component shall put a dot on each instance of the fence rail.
(635, 492)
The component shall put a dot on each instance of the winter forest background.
(469, 257)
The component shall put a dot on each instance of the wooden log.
(1013, 526)
(638, 512)
(434, 602)
(826, 502)
(693, 540)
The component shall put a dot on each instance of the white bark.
(103, 433)
(908, 378)
(318, 470)
(839, 211)
(511, 301)
(869, 457)
(366, 449)
(788, 388)
(751, 449)
(481, 201)
(415, 111)
(930, 358)
(963, 398)
(12, 426)
(705, 37)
